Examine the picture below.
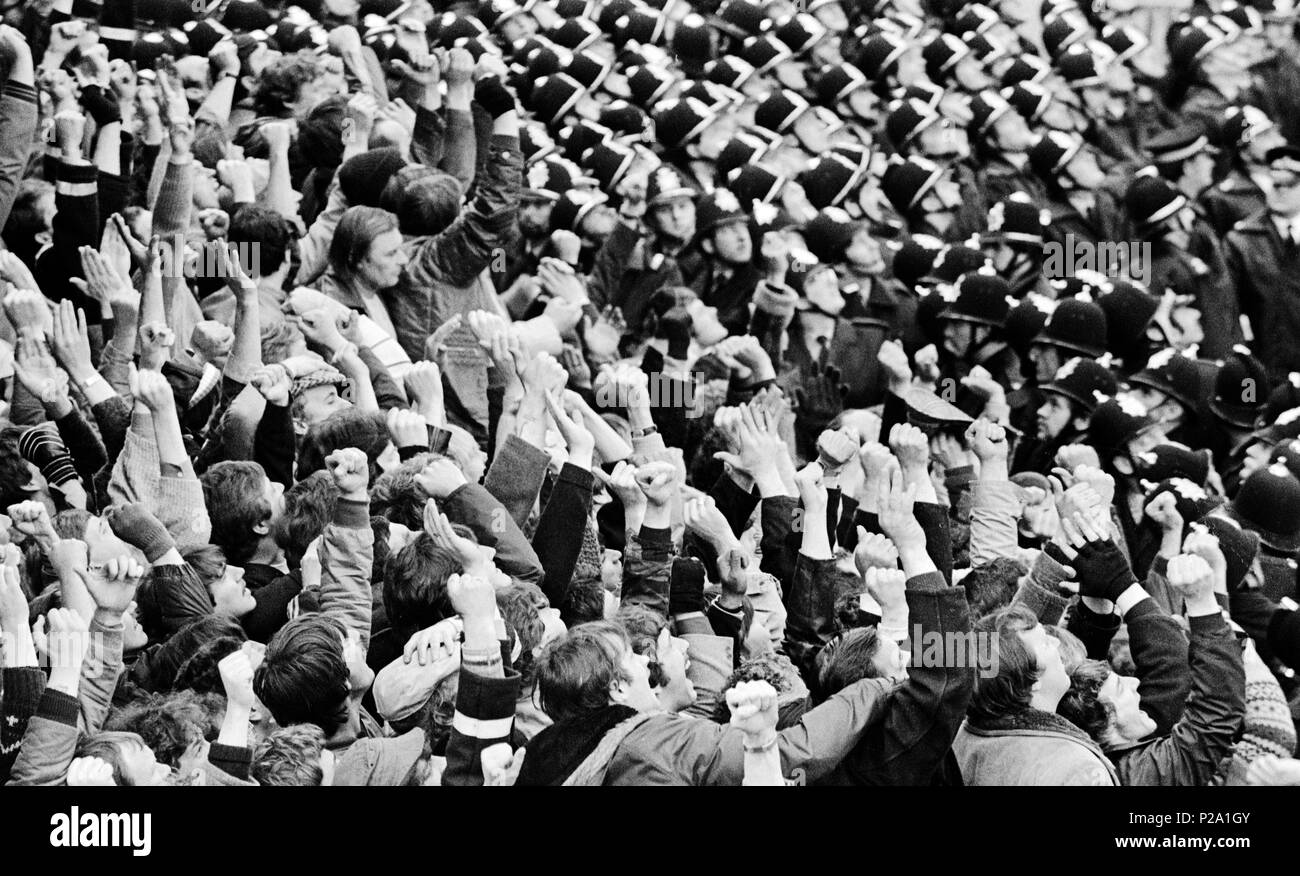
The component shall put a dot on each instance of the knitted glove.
(103, 109)
(1102, 570)
(494, 97)
(137, 527)
(43, 448)
(686, 594)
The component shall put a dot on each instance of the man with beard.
(1068, 402)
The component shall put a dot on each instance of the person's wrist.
(65, 680)
(994, 469)
(1203, 605)
(479, 631)
(656, 516)
(911, 555)
(761, 743)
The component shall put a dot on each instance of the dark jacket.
(1266, 273)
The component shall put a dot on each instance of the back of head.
(110, 746)
(264, 239)
(304, 675)
(992, 585)
(291, 756)
(232, 492)
(576, 672)
(847, 659)
(428, 203)
(415, 585)
(308, 507)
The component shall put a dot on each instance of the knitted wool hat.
(1241, 388)
(1077, 326)
(1080, 380)
(1239, 546)
(1174, 460)
(1268, 503)
(1173, 374)
(363, 177)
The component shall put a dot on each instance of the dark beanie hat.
(363, 177)
(1174, 460)
(320, 135)
(1239, 546)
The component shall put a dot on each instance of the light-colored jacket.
(1038, 757)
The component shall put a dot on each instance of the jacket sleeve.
(647, 569)
(994, 517)
(475, 507)
(485, 714)
(17, 130)
(347, 550)
(1038, 591)
(99, 672)
(1204, 736)
(1159, 652)
(938, 535)
(560, 531)
(516, 476)
(779, 556)
(23, 686)
(313, 249)
(461, 252)
(50, 742)
(84, 446)
(811, 606)
(918, 728)
(460, 153)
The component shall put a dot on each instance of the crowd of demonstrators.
(600, 392)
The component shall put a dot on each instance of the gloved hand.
(686, 593)
(137, 527)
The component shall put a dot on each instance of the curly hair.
(397, 496)
(308, 507)
(1082, 705)
(764, 667)
(280, 84)
(168, 723)
(521, 604)
(290, 757)
(199, 672)
(992, 585)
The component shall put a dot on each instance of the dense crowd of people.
(585, 392)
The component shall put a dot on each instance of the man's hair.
(415, 585)
(846, 659)
(348, 427)
(71, 523)
(266, 234)
(763, 667)
(521, 604)
(207, 560)
(435, 716)
(167, 723)
(1082, 705)
(278, 339)
(308, 507)
(577, 670)
(25, 218)
(992, 585)
(1012, 688)
(108, 747)
(643, 627)
(396, 496)
(584, 602)
(304, 676)
(280, 83)
(356, 232)
(232, 492)
(290, 757)
(199, 671)
(14, 473)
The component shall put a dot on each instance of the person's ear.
(707, 245)
(262, 528)
(1123, 465)
(618, 693)
(1080, 423)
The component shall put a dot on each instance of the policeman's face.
(1047, 361)
(1085, 171)
(1284, 198)
(732, 243)
(1011, 133)
(970, 74)
(534, 218)
(1198, 173)
(676, 219)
